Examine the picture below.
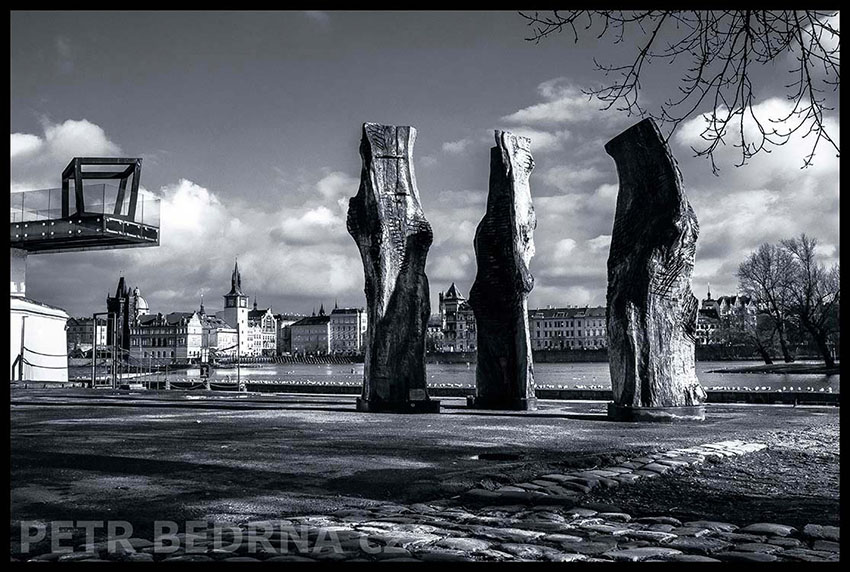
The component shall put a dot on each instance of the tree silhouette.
(724, 48)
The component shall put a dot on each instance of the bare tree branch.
(724, 47)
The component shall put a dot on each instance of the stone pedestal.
(504, 246)
(386, 220)
(652, 312)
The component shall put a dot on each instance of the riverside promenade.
(306, 477)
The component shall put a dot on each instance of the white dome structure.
(140, 304)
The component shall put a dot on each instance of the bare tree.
(724, 47)
(766, 275)
(815, 292)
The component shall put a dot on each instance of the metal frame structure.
(78, 229)
(75, 170)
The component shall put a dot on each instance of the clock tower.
(236, 308)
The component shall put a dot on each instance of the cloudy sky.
(249, 124)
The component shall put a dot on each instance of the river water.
(546, 375)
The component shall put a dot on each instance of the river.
(546, 375)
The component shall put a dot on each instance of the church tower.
(236, 308)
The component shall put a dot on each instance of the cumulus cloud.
(563, 102)
(571, 178)
(37, 161)
(769, 199)
(456, 147)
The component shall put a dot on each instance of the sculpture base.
(423, 406)
(522, 404)
(662, 414)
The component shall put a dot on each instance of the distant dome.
(142, 306)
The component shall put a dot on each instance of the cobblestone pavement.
(544, 519)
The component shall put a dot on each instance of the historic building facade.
(256, 329)
(568, 328)
(458, 322)
(284, 332)
(262, 332)
(347, 330)
(157, 338)
(716, 319)
(312, 335)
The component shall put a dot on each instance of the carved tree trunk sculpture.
(651, 310)
(386, 220)
(504, 246)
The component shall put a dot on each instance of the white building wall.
(44, 332)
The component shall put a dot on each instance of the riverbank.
(783, 368)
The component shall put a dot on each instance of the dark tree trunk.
(786, 355)
(820, 340)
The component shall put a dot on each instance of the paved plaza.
(462, 484)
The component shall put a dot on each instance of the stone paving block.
(609, 483)
(508, 534)
(507, 488)
(713, 525)
(741, 537)
(806, 555)
(694, 531)
(575, 486)
(590, 547)
(770, 529)
(655, 536)
(671, 463)
(558, 490)
(659, 520)
(734, 556)
(758, 547)
(618, 470)
(435, 555)
(615, 516)
(647, 474)
(634, 543)
(603, 473)
(530, 486)
(826, 546)
(556, 477)
(821, 532)
(660, 527)
(605, 528)
(638, 554)
(464, 544)
(565, 557)
(690, 558)
(582, 512)
(631, 465)
(626, 478)
(526, 551)
(697, 545)
(561, 537)
(656, 468)
(783, 542)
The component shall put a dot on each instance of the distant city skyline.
(248, 124)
